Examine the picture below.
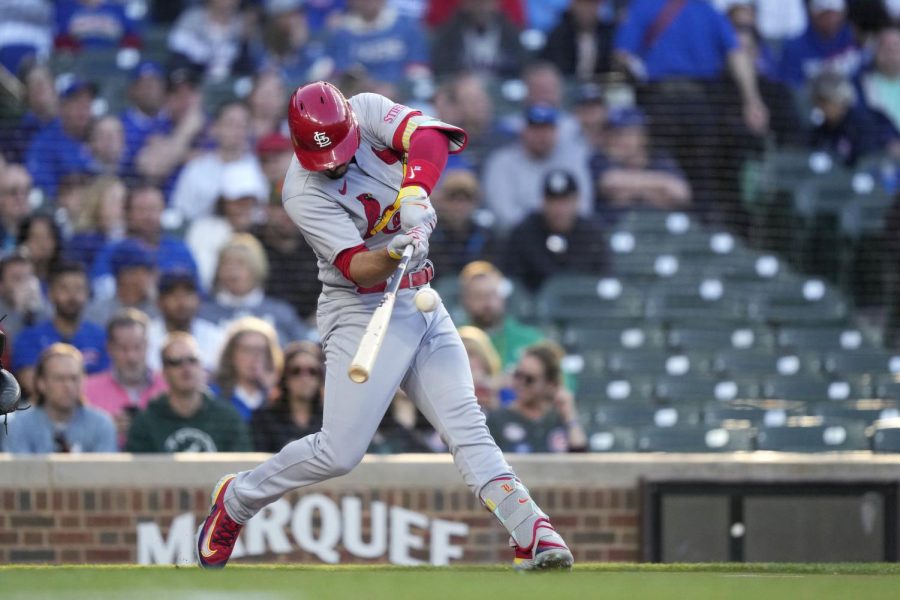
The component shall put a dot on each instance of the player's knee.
(345, 461)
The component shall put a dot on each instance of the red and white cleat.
(219, 532)
(547, 552)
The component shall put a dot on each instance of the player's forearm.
(368, 269)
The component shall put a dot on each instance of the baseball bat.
(370, 342)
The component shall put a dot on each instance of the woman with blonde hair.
(101, 220)
(249, 365)
(297, 409)
(485, 365)
(238, 290)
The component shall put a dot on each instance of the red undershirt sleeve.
(342, 261)
(427, 157)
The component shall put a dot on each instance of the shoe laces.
(226, 533)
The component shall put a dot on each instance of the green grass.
(364, 582)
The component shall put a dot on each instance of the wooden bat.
(370, 343)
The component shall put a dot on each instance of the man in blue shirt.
(68, 293)
(95, 24)
(59, 421)
(144, 116)
(61, 147)
(827, 44)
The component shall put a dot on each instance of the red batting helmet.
(324, 130)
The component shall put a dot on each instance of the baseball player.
(358, 189)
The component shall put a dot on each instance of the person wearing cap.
(134, 269)
(274, 152)
(144, 115)
(178, 300)
(514, 175)
(198, 186)
(590, 111)
(287, 46)
(109, 155)
(581, 44)
(555, 239)
(129, 384)
(243, 193)
(61, 147)
(827, 44)
(211, 37)
(629, 174)
(463, 232)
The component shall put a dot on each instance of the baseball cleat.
(548, 552)
(219, 532)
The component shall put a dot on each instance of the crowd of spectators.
(147, 247)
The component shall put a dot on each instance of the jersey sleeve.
(388, 124)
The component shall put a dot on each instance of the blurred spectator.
(41, 108)
(27, 33)
(267, 103)
(212, 37)
(462, 233)
(297, 411)
(101, 220)
(543, 417)
(844, 127)
(275, 152)
(198, 185)
(777, 19)
(590, 113)
(827, 44)
(40, 240)
(629, 174)
(108, 154)
(544, 15)
(881, 82)
(15, 190)
(514, 174)
(287, 252)
(242, 192)
(250, 365)
(400, 430)
(68, 294)
(178, 300)
(94, 24)
(238, 290)
(61, 147)
(484, 363)
(134, 268)
(289, 47)
(478, 38)
(70, 201)
(441, 11)
(581, 44)
(60, 421)
(544, 85)
(143, 214)
(743, 17)
(144, 115)
(464, 101)
(389, 47)
(187, 418)
(21, 299)
(555, 239)
(481, 293)
(163, 152)
(129, 384)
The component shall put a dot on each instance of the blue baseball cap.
(177, 278)
(128, 254)
(630, 116)
(541, 114)
(69, 86)
(147, 68)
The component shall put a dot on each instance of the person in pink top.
(129, 384)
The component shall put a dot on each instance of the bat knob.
(358, 374)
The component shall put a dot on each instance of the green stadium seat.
(659, 223)
(864, 411)
(699, 388)
(797, 302)
(822, 338)
(873, 362)
(611, 439)
(886, 436)
(643, 415)
(806, 388)
(593, 389)
(888, 387)
(710, 339)
(695, 438)
(754, 412)
(651, 362)
(846, 437)
(742, 363)
(709, 304)
(613, 336)
(571, 298)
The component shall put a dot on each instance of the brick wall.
(99, 525)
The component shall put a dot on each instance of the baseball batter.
(358, 189)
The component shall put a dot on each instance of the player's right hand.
(417, 236)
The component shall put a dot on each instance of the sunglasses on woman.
(525, 378)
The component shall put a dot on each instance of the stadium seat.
(613, 336)
(886, 435)
(611, 439)
(710, 303)
(699, 388)
(864, 411)
(658, 223)
(755, 412)
(822, 338)
(713, 339)
(813, 438)
(695, 438)
(806, 388)
(872, 362)
(888, 387)
(574, 298)
(651, 362)
(643, 415)
(593, 389)
(743, 363)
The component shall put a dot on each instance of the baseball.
(427, 300)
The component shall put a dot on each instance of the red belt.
(410, 280)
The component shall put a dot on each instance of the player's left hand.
(415, 236)
(416, 209)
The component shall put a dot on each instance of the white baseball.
(427, 300)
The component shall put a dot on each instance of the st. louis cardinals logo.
(374, 215)
(322, 139)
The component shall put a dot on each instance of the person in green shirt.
(187, 418)
(543, 417)
(481, 295)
